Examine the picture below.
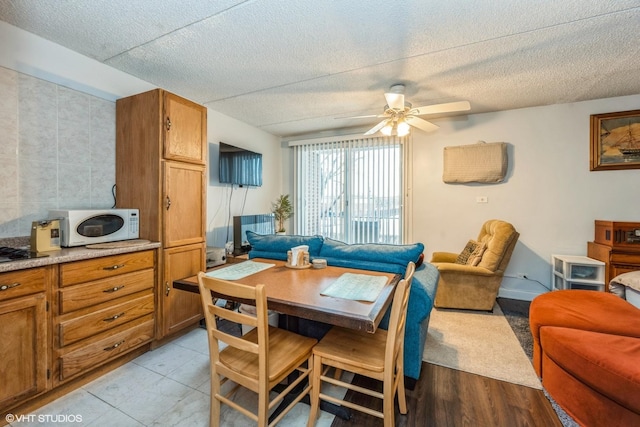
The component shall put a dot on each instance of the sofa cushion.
(581, 309)
(275, 246)
(609, 364)
(370, 256)
(586, 310)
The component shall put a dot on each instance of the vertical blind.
(350, 190)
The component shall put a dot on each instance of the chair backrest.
(235, 291)
(500, 237)
(397, 321)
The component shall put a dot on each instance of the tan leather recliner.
(476, 287)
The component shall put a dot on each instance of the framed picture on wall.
(615, 140)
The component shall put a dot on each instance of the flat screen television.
(239, 166)
(261, 224)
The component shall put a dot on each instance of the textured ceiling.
(291, 67)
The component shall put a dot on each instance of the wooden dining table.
(298, 292)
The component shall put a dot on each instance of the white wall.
(225, 201)
(28, 60)
(550, 195)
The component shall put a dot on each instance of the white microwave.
(85, 227)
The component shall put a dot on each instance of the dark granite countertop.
(66, 254)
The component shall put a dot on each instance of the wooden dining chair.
(259, 360)
(379, 356)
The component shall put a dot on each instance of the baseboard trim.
(519, 294)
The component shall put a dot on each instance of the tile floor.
(168, 386)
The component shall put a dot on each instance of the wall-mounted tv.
(239, 166)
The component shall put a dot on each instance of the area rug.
(517, 314)
(481, 343)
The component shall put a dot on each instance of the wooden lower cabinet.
(24, 352)
(180, 309)
(104, 308)
(63, 324)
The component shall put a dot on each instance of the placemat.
(359, 287)
(238, 271)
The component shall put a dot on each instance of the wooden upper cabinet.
(184, 130)
(184, 210)
(154, 131)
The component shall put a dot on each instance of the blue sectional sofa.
(375, 257)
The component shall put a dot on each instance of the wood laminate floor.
(448, 397)
(170, 387)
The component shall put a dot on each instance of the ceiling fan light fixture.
(387, 129)
(400, 116)
(403, 128)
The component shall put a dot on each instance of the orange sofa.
(586, 350)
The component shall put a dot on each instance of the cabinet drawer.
(616, 270)
(93, 323)
(22, 282)
(629, 259)
(585, 286)
(100, 268)
(98, 291)
(107, 347)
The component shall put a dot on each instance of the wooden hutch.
(617, 244)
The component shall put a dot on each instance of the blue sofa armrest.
(421, 297)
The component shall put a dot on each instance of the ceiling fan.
(399, 115)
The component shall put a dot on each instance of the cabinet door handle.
(167, 289)
(113, 267)
(9, 286)
(113, 347)
(114, 317)
(168, 123)
(114, 289)
(168, 202)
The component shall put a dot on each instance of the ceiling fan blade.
(395, 101)
(361, 117)
(421, 124)
(377, 127)
(441, 108)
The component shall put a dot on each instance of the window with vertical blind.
(351, 189)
